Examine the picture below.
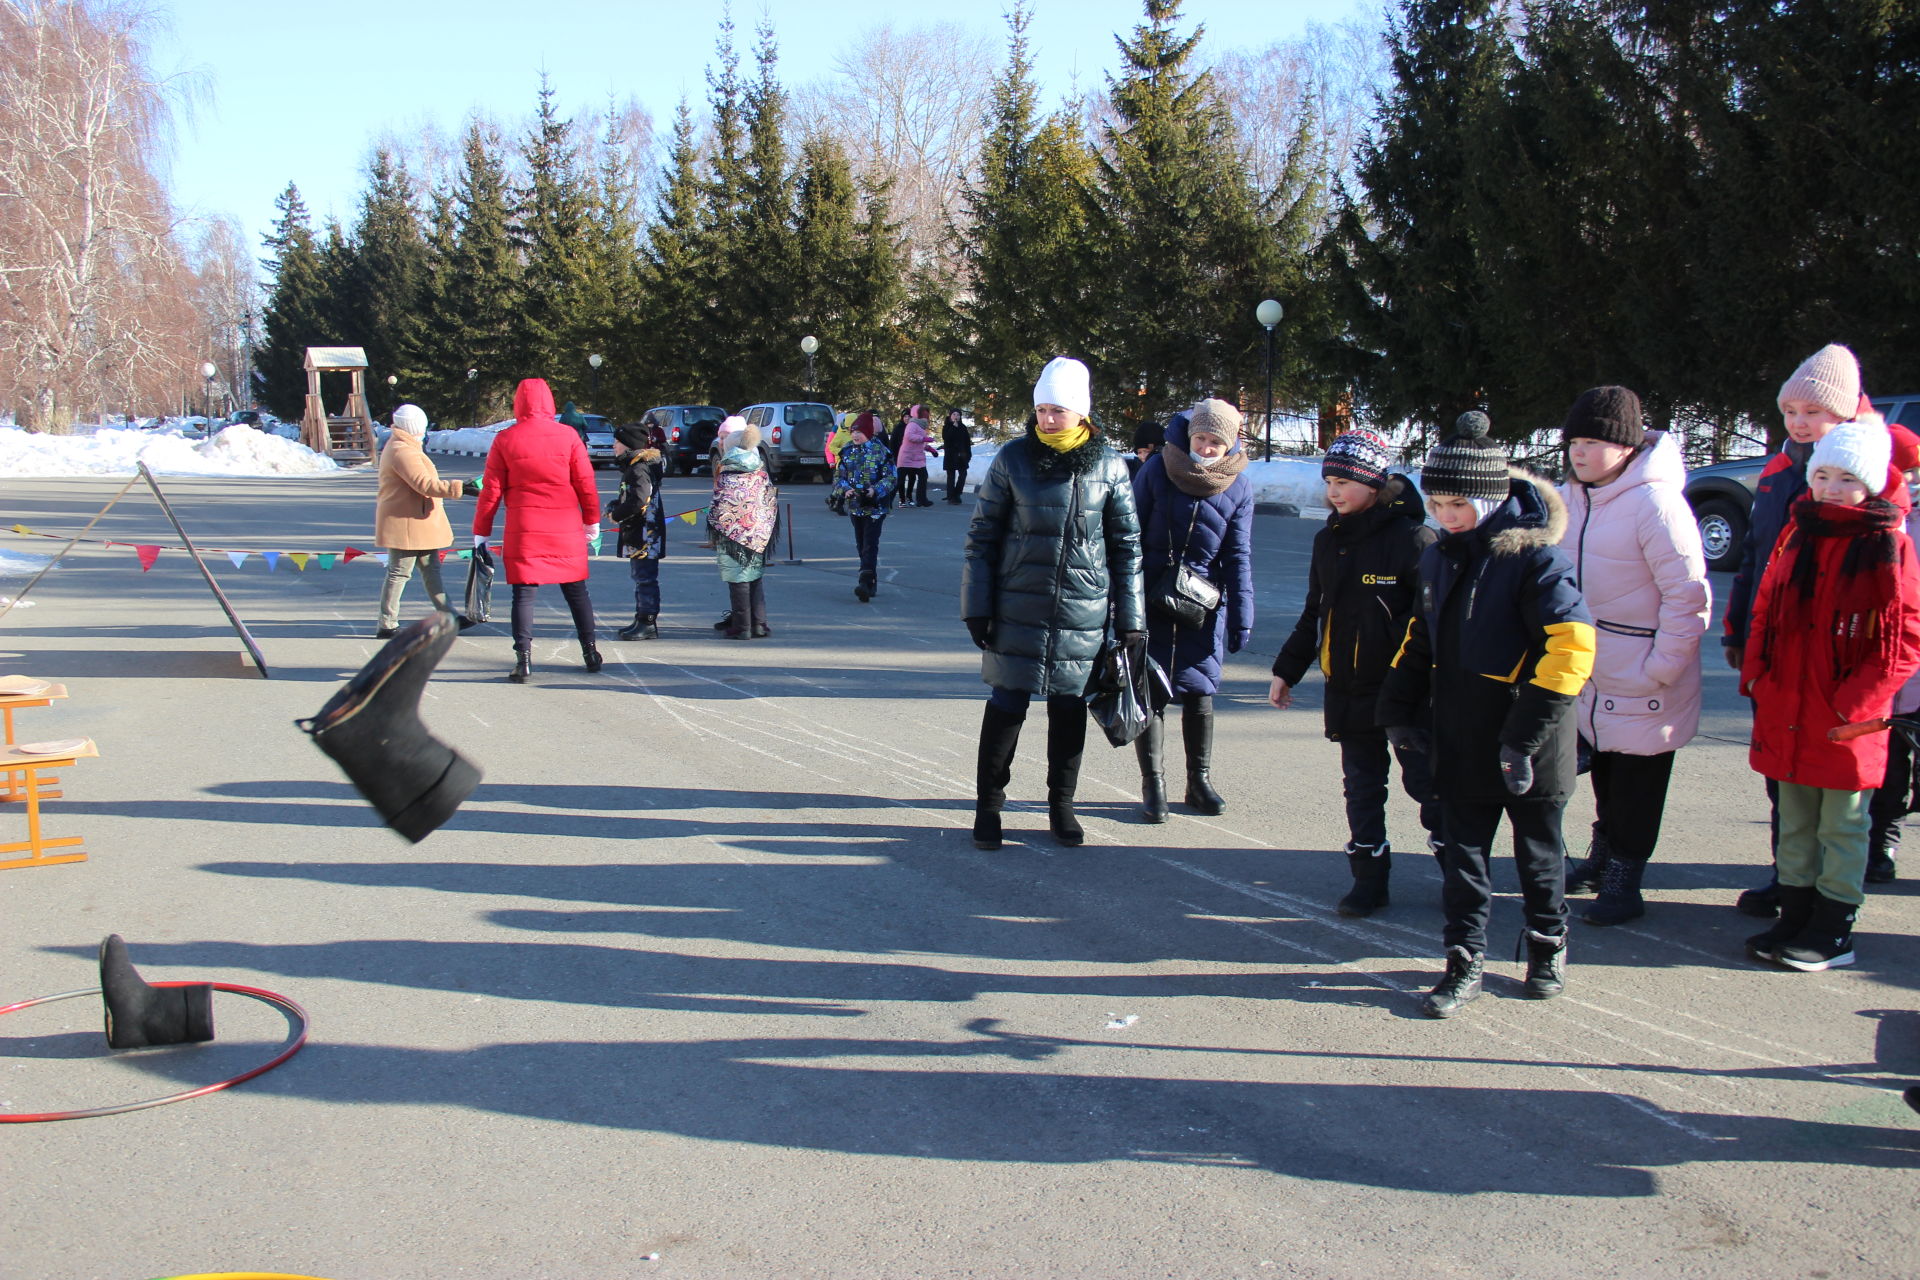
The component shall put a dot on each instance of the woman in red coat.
(539, 469)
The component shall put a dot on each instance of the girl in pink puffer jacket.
(1636, 555)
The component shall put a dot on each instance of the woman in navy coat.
(1195, 508)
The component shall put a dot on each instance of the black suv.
(689, 430)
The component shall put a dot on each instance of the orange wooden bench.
(29, 759)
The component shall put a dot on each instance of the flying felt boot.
(143, 1016)
(372, 730)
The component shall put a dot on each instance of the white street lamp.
(1268, 313)
(809, 345)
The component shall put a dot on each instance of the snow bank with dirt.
(110, 451)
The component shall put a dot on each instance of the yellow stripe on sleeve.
(1405, 640)
(1568, 662)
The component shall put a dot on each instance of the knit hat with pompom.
(1467, 464)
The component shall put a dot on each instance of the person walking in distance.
(956, 443)
(741, 520)
(539, 470)
(1500, 646)
(1052, 564)
(1363, 583)
(642, 517)
(409, 523)
(916, 442)
(1637, 560)
(864, 482)
(1196, 513)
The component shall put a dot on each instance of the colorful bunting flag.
(239, 558)
(346, 557)
(299, 559)
(272, 558)
(440, 556)
(691, 517)
(20, 528)
(148, 555)
(327, 559)
(465, 553)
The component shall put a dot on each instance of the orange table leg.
(35, 846)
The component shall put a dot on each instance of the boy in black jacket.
(1499, 649)
(1361, 589)
(643, 526)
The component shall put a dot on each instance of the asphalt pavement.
(707, 980)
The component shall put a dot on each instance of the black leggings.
(577, 603)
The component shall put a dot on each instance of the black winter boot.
(999, 735)
(1762, 902)
(1196, 726)
(1827, 940)
(590, 655)
(1461, 985)
(1370, 866)
(141, 1016)
(371, 728)
(1585, 875)
(1881, 846)
(757, 607)
(1150, 747)
(1546, 965)
(522, 666)
(1796, 908)
(1619, 899)
(740, 616)
(633, 630)
(1066, 744)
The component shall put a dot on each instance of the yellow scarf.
(1063, 441)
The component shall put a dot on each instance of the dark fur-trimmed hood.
(1534, 515)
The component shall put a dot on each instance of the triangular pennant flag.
(464, 553)
(346, 557)
(272, 558)
(238, 557)
(440, 556)
(327, 559)
(690, 517)
(147, 556)
(299, 559)
(20, 528)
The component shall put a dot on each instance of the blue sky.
(298, 91)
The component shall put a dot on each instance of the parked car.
(689, 430)
(795, 434)
(1722, 494)
(598, 435)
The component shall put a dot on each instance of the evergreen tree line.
(1683, 198)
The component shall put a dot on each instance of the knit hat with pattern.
(1466, 464)
(1830, 377)
(1357, 455)
(1610, 414)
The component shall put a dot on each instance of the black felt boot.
(740, 616)
(1619, 899)
(1585, 875)
(1196, 726)
(1546, 965)
(1796, 908)
(999, 735)
(1370, 868)
(633, 629)
(1066, 745)
(371, 728)
(142, 1016)
(1826, 941)
(1150, 747)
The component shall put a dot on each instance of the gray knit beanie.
(1467, 464)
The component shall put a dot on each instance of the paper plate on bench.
(23, 686)
(58, 747)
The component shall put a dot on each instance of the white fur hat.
(410, 418)
(1065, 382)
(1863, 448)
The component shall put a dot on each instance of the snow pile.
(236, 451)
(21, 564)
(1291, 480)
(465, 439)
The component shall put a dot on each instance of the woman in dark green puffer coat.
(1054, 549)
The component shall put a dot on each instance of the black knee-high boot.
(740, 619)
(1066, 744)
(1196, 726)
(139, 1015)
(1150, 746)
(999, 735)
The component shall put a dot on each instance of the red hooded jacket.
(539, 469)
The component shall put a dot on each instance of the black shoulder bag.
(1178, 592)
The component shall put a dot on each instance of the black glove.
(1135, 643)
(1410, 737)
(981, 629)
(469, 488)
(1516, 771)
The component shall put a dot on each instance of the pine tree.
(477, 293)
(553, 231)
(846, 281)
(676, 276)
(386, 288)
(291, 317)
(717, 337)
(440, 387)
(611, 292)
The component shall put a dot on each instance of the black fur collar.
(1074, 462)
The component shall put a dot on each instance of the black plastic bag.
(478, 607)
(1125, 693)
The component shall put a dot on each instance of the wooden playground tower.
(348, 436)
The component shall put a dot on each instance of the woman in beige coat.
(408, 521)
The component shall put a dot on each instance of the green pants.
(1823, 841)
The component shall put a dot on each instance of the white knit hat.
(1862, 448)
(1065, 382)
(1830, 377)
(410, 418)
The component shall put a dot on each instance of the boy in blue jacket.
(1501, 643)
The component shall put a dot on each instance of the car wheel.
(1723, 530)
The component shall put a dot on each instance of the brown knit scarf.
(1202, 482)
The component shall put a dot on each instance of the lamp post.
(809, 345)
(593, 362)
(393, 393)
(209, 372)
(1268, 313)
(473, 396)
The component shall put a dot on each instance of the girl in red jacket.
(1835, 632)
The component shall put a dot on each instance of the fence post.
(791, 558)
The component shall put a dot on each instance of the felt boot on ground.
(1461, 985)
(1826, 942)
(1585, 875)
(1761, 902)
(1619, 899)
(1796, 908)
(1546, 965)
(1369, 865)
(1150, 747)
(757, 607)
(1881, 847)
(642, 627)
(999, 736)
(372, 730)
(1196, 726)
(740, 616)
(141, 1016)
(1066, 745)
